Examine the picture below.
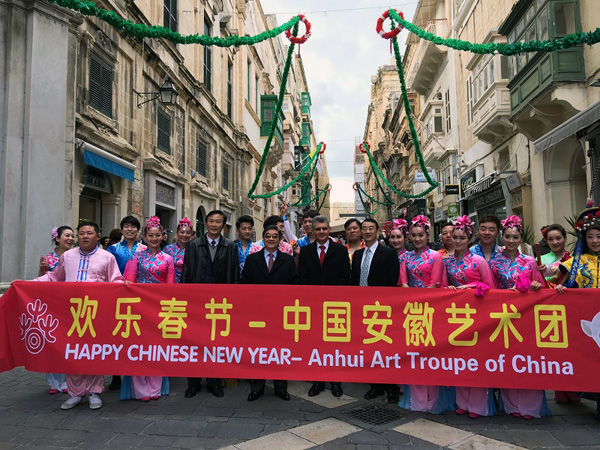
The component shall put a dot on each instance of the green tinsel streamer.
(324, 198)
(374, 200)
(316, 197)
(306, 186)
(571, 40)
(362, 201)
(143, 31)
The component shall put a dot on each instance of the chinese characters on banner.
(353, 334)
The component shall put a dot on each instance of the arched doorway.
(200, 215)
(566, 180)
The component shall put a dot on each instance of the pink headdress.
(185, 222)
(400, 224)
(54, 233)
(420, 221)
(153, 222)
(464, 223)
(512, 222)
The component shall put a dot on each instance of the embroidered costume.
(423, 270)
(147, 268)
(507, 272)
(121, 252)
(552, 262)
(242, 255)
(177, 253)
(478, 250)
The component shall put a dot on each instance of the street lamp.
(166, 93)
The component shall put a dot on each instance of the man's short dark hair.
(310, 214)
(372, 221)
(272, 228)
(447, 224)
(244, 219)
(272, 220)
(217, 212)
(491, 218)
(89, 223)
(350, 222)
(130, 220)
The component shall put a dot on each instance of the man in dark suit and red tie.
(376, 265)
(324, 262)
(269, 266)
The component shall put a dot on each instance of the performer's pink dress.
(422, 271)
(74, 265)
(146, 268)
(524, 402)
(469, 270)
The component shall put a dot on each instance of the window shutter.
(201, 158)
(164, 132)
(100, 86)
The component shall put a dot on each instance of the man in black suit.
(324, 262)
(210, 258)
(269, 266)
(376, 265)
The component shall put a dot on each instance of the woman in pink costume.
(176, 250)
(424, 268)
(468, 271)
(150, 265)
(515, 271)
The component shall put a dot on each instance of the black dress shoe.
(215, 390)
(191, 391)
(373, 393)
(393, 398)
(316, 389)
(283, 395)
(254, 395)
(115, 383)
(336, 389)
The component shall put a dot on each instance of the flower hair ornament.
(420, 221)
(465, 224)
(400, 224)
(153, 222)
(185, 222)
(512, 222)
(54, 233)
(588, 218)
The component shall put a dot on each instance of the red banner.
(539, 340)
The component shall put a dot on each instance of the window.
(565, 18)
(256, 94)
(201, 158)
(207, 58)
(225, 176)
(305, 139)
(306, 104)
(170, 14)
(469, 106)
(249, 72)
(100, 85)
(164, 131)
(447, 106)
(230, 90)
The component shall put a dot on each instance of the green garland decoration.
(316, 197)
(362, 201)
(324, 198)
(374, 200)
(306, 186)
(571, 40)
(154, 31)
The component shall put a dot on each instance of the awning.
(569, 128)
(103, 160)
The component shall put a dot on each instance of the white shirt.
(372, 248)
(267, 256)
(211, 240)
(326, 245)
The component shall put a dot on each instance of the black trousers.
(197, 382)
(258, 385)
(390, 389)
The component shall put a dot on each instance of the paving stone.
(123, 441)
(534, 438)
(499, 435)
(175, 428)
(280, 441)
(435, 433)
(224, 430)
(482, 443)
(10, 432)
(576, 439)
(157, 441)
(338, 446)
(200, 443)
(394, 439)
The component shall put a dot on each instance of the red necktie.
(270, 261)
(322, 255)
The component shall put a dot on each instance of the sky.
(341, 56)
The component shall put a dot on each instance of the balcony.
(428, 59)
(491, 113)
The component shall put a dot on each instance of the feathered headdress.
(464, 223)
(153, 221)
(587, 218)
(185, 222)
(420, 221)
(513, 222)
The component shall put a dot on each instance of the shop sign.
(420, 176)
(479, 187)
(165, 194)
(468, 179)
(453, 211)
(418, 207)
(489, 198)
(96, 179)
(438, 215)
(452, 189)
